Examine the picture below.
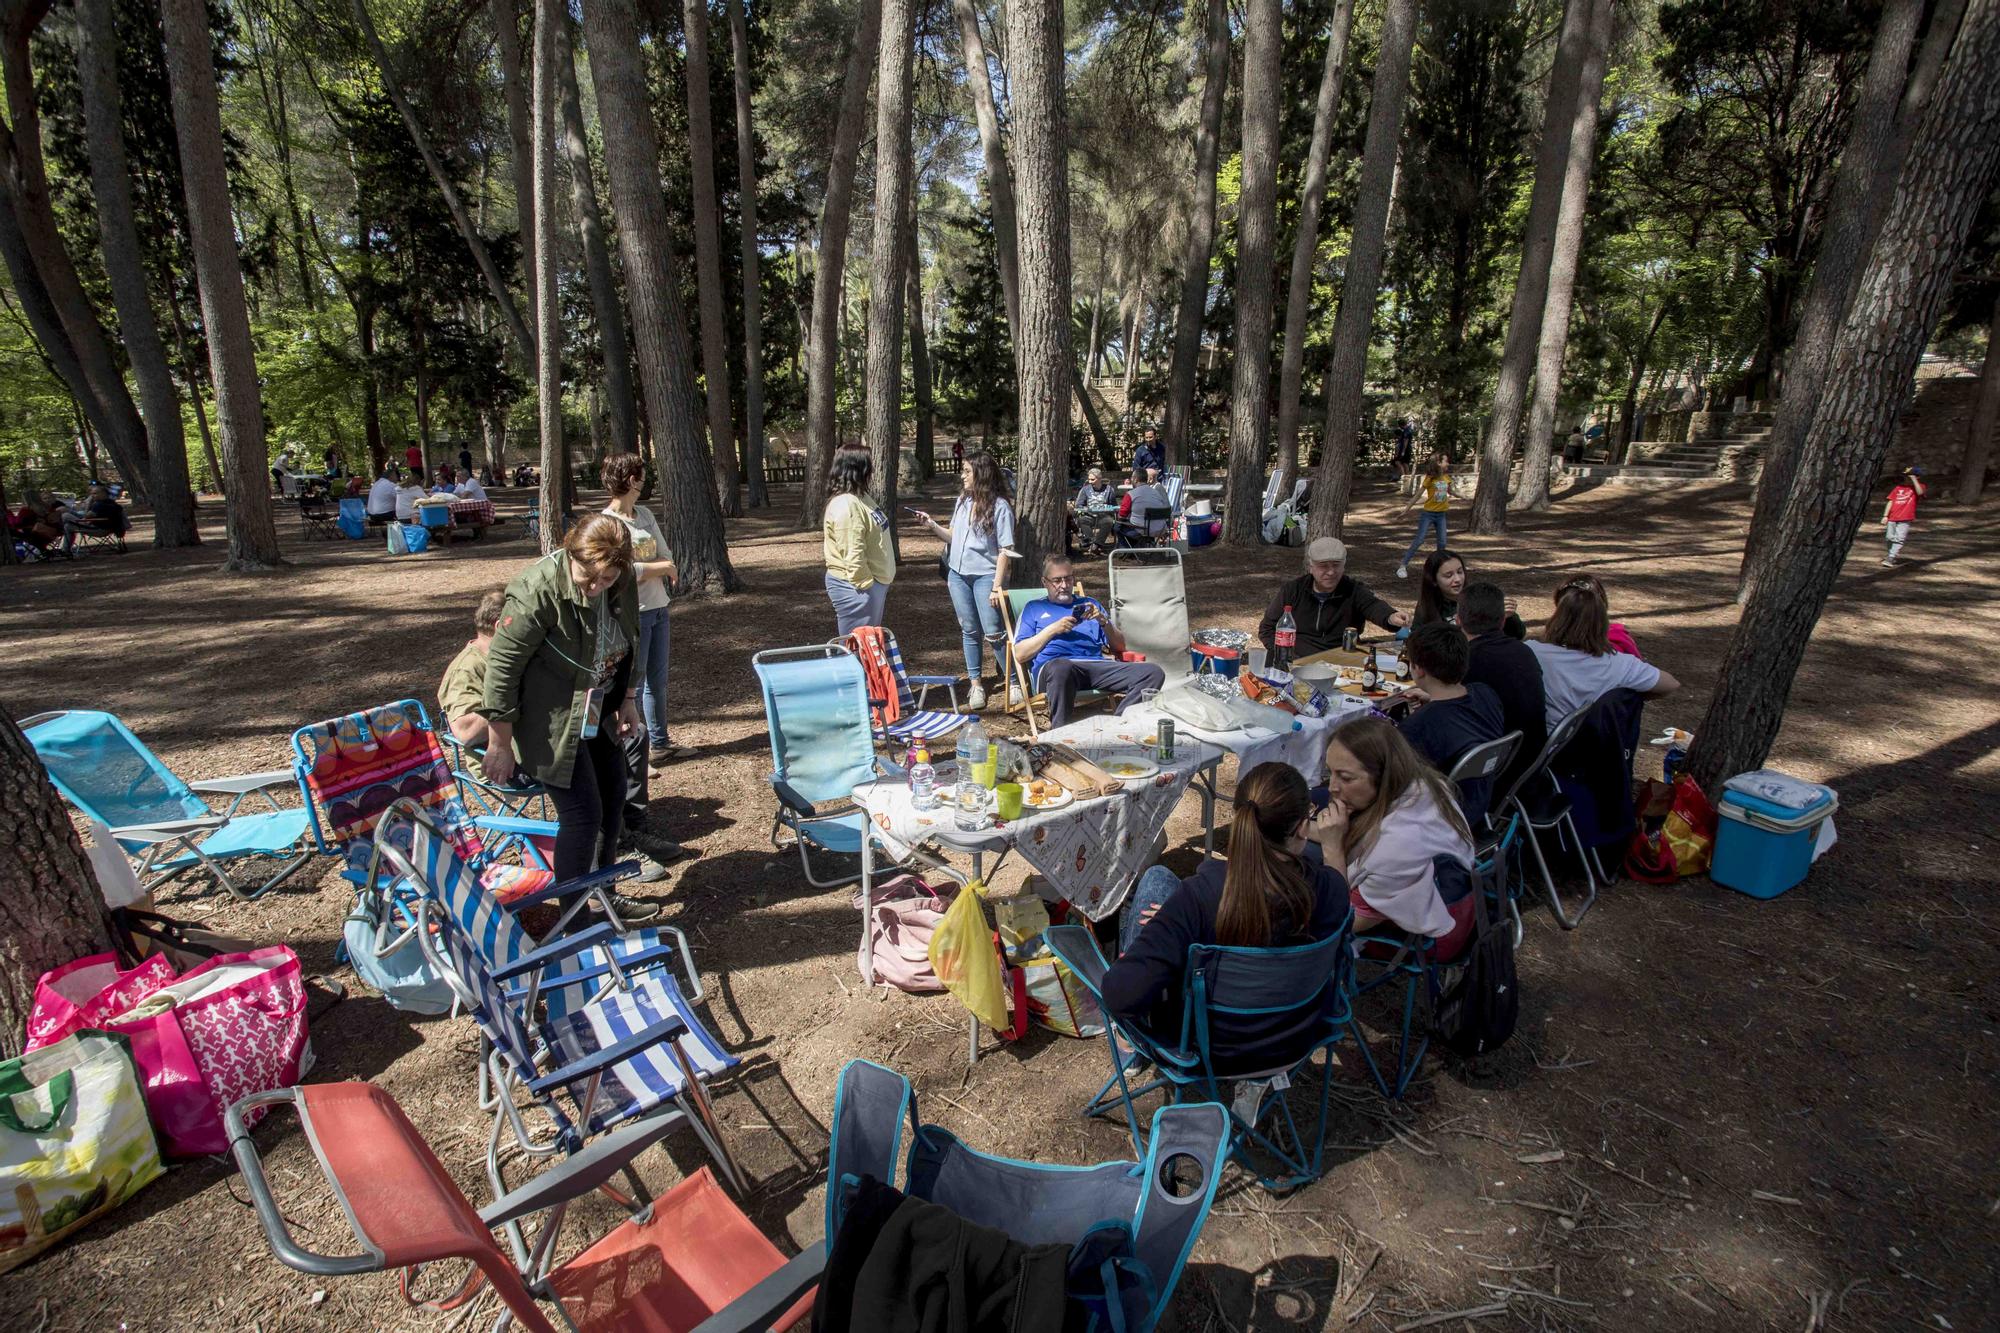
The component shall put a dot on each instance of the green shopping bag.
(74, 1140)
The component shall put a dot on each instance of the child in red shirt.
(1901, 511)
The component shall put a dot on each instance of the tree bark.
(693, 518)
(1305, 249)
(830, 270)
(619, 405)
(1256, 228)
(1531, 287)
(232, 359)
(920, 358)
(507, 30)
(1953, 161)
(888, 255)
(753, 290)
(1553, 338)
(550, 18)
(51, 908)
(1044, 355)
(93, 379)
(1178, 437)
(1877, 144)
(1354, 325)
(118, 233)
(481, 256)
(191, 376)
(999, 181)
(1985, 417)
(708, 258)
(1093, 346)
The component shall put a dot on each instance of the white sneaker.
(1402, 571)
(975, 697)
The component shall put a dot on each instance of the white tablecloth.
(1089, 851)
(1303, 748)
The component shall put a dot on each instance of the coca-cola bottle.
(1287, 641)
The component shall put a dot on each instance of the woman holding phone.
(980, 534)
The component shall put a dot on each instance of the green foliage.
(973, 358)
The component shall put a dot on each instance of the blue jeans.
(649, 672)
(1424, 525)
(977, 618)
(1154, 888)
(854, 607)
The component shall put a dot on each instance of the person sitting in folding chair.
(1451, 716)
(1145, 514)
(1403, 843)
(1278, 888)
(1069, 643)
(102, 518)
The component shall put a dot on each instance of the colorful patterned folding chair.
(677, 1263)
(882, 664)
(163, 824)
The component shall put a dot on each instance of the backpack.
(1477, 1014)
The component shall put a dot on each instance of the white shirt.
(406, 502)
(470, 489)
(648, 544)
(1396, 874)
(381, 496)
(1573, 680)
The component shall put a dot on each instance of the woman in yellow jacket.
(860, 562)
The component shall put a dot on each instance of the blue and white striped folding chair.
(1222, 987)
(876, 648)
(162, 823)
(822, 748)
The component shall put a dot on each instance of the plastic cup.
(1007, 800)
(1258, 657)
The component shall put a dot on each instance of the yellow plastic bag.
(966, 960)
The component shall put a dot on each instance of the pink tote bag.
(90, 992)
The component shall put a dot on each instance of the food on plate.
(1125, 769)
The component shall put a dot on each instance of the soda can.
(1166, 750)
(1350, 639)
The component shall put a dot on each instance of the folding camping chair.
(315, 519)
(1022, 696)
(670, 1266)
(353, 520)
(161, 822)
(1413, 959)
(1309, 983)
(524, 798)
(1484, 762)
(882, 667)
(822, 748)
(1148, 603)
(1537, 802)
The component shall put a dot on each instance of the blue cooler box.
(1763, 848)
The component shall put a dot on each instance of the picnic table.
(472, 513)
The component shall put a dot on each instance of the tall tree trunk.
(232, 360)
(1628, 410)
(618, 401)
(888, 255)
(1305, 249)
(191, 376)
(51, 908)
(693, 521)
(1885, 116)
(1952, 163)
(551, 16)
(118, 233)
(1178, 437)
(1131, 366)
(1985, 417)
(1531, 287)
(830, 270)
(1553, 338)
(708, 258)
(999, 180)
(1047, 363)
(481, 256)
(1096, 317)
(753, 289)
(1355, 323)
(920, 361)
(1256, 228)
(506, 16)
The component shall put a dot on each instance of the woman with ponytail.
(1276, 889)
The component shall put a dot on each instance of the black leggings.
(589, 812)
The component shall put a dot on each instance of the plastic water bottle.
(1287, 638)
(923, 778)
(971, 748)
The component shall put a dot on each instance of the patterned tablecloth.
(1304, 748)
(1090, 851)
(473, 513)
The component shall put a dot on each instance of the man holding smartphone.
(1070, 644)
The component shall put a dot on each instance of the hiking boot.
(975, 697)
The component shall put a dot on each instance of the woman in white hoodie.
(1404, 845)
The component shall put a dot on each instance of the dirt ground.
(1716, 1113)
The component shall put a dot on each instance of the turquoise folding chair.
(822, 748)
(1222, 986)
(161, 822)
(524, 798)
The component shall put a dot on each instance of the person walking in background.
(1434, 493)
(1406, 454)
(465, 460)
(854, 541)
(413, 458)
(979, 537)
(1901, 511)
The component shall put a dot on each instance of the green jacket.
(540, 666)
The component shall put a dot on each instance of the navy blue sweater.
(1144, 986)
